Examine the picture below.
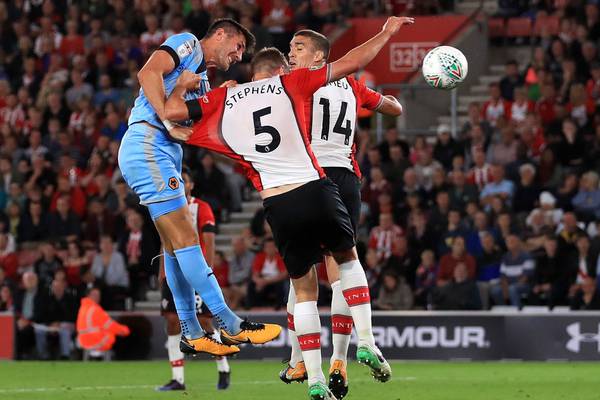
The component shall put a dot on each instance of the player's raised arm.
(360, 56)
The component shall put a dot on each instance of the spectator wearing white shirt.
(516, 270)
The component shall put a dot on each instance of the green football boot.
(320, 391)
(372, 358)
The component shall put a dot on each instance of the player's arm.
(390, 106)
(360, 56)
(176, 107)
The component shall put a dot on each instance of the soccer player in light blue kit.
(150, 159)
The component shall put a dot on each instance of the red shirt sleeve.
(365, 97)
(206, 218)
(305, 82)
(280, 264)
(258, 263)
(206, 130)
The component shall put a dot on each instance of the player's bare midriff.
(279, 190)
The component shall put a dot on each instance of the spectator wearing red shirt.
(268, 278)
(545, 105)
(521, 107)
(382, 236)
(72, 43)
(9, 262)
(495, 107)
(77, 197)
(449, 261)
(481, 173)
(220, 268)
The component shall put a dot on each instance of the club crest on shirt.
(173, 183)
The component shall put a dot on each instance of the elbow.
(398, 110)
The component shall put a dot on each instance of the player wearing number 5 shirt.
(263, 125)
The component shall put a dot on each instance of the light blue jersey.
(187, 54)
(149, 160)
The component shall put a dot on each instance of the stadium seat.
(518, 27)
(496, 28)
(551, 23)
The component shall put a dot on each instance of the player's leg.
(341, 330)
(308, 330)
(295, 371)
(176, 358)
(355, 288)
(338, 237)
(206, 321)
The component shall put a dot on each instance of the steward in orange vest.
(95, 329)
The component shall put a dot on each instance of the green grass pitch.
(258, 380)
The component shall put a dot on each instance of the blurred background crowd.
(506, 212)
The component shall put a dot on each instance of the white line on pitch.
(125, 387)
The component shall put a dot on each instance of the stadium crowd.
(508, 212)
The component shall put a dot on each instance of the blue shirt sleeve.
(180, 46)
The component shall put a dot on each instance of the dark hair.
(188, 171)
(232, 27)
(268, 59)
(319, 41)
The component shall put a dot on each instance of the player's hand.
(229, 83)
(393, 24)
(188, 80)
(181, 133)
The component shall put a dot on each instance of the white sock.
(296, 355)
(341, 323)
(175, 357)
(222, 364)
(308, 329)
(356, 292)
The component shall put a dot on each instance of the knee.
(345, 256)
(184, 238)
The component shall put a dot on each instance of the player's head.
(268, 62)
(226, 41)
(308, 49)
(188, 180)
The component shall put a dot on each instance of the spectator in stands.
(581, 265)
(446, 147)
(220, 268)
(488, 267)
(75, 262)
(279, 21)
(572, 147)
(403, 261)
(110, 271)
(461, 192)
(516, 273)
(425, 168)
(240, 268)
(114, 128)
(504, 151)
(587, 297)
(6, 298)
(394, 168)
(527, 191)
(9, 262)
(210, 185)
(425, 279)
(47, 265)
(549, 283)
(511, 80)
(498, 187)
(587, 200)
(550, 215)
(28, 306)
(394, 294)
(59, 310)
(459, 294)
(33, 224)
(99, 221)
(449, 261)
(476, 119)
(375, 187)
(63, 222)
(481, 172)
(139, 245)
(496, 107)
(268, 277)
(568, 234)
(381, 236)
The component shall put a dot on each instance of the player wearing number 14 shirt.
(332, 129)
(263, 125)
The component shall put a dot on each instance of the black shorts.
(349, 187)
(167, 305)
(308, 221)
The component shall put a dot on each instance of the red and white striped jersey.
(263, 126)
(205, 219)
(334, 111)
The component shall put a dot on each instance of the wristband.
(168, 125)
